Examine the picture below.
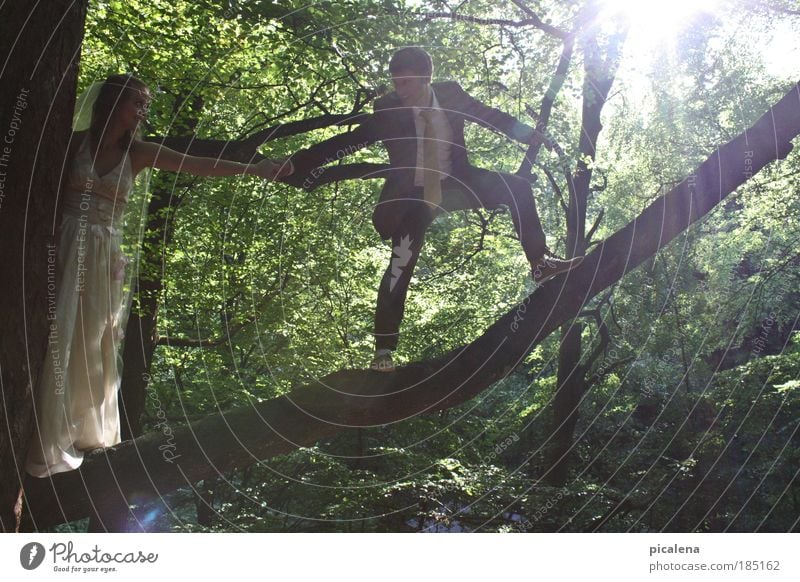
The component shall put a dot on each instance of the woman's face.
(132, 109)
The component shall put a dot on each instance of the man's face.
(410, 86)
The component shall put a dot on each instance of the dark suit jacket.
(393, 124)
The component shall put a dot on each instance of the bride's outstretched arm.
(151, 155)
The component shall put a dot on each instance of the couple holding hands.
(421, 124)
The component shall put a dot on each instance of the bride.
(76, 399)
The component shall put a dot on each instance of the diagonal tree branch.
(245, 149)
(539, 23)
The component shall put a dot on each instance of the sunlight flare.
(658, 18)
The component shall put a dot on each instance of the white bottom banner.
(349, 557)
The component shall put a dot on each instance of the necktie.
(430, 155)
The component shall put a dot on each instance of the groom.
(421, 124)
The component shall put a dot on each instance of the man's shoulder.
(449, 92)
(447, 88)
(441, 88)
(388, 101)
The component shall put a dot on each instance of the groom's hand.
(285, 167)
(273, 169)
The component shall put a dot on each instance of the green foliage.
(280, 284)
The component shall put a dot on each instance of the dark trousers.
(475, 188)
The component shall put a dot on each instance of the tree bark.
(571, 378)
(41, 49)
(143, 470)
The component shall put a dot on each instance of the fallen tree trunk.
(143, 470)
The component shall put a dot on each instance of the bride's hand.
(266, 169)
(273, 169)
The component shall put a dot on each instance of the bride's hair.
(113, 90)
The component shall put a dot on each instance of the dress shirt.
(444, 138)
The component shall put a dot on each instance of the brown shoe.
(549, 266)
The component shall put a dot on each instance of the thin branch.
(546, 108)
(485, 222)
(552, 179)
(602, 328)
(245, 150)
(533, 21)
(595, 225)
(540, 24)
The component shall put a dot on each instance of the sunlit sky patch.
(782, 50)
(657, 18)
(654, 23)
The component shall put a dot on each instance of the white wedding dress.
(76, 399)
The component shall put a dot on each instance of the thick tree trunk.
(572, 383)
(137, 355)
(40, 47)
(143, 470)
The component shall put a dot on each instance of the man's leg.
(490, 190)
(407, 244)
